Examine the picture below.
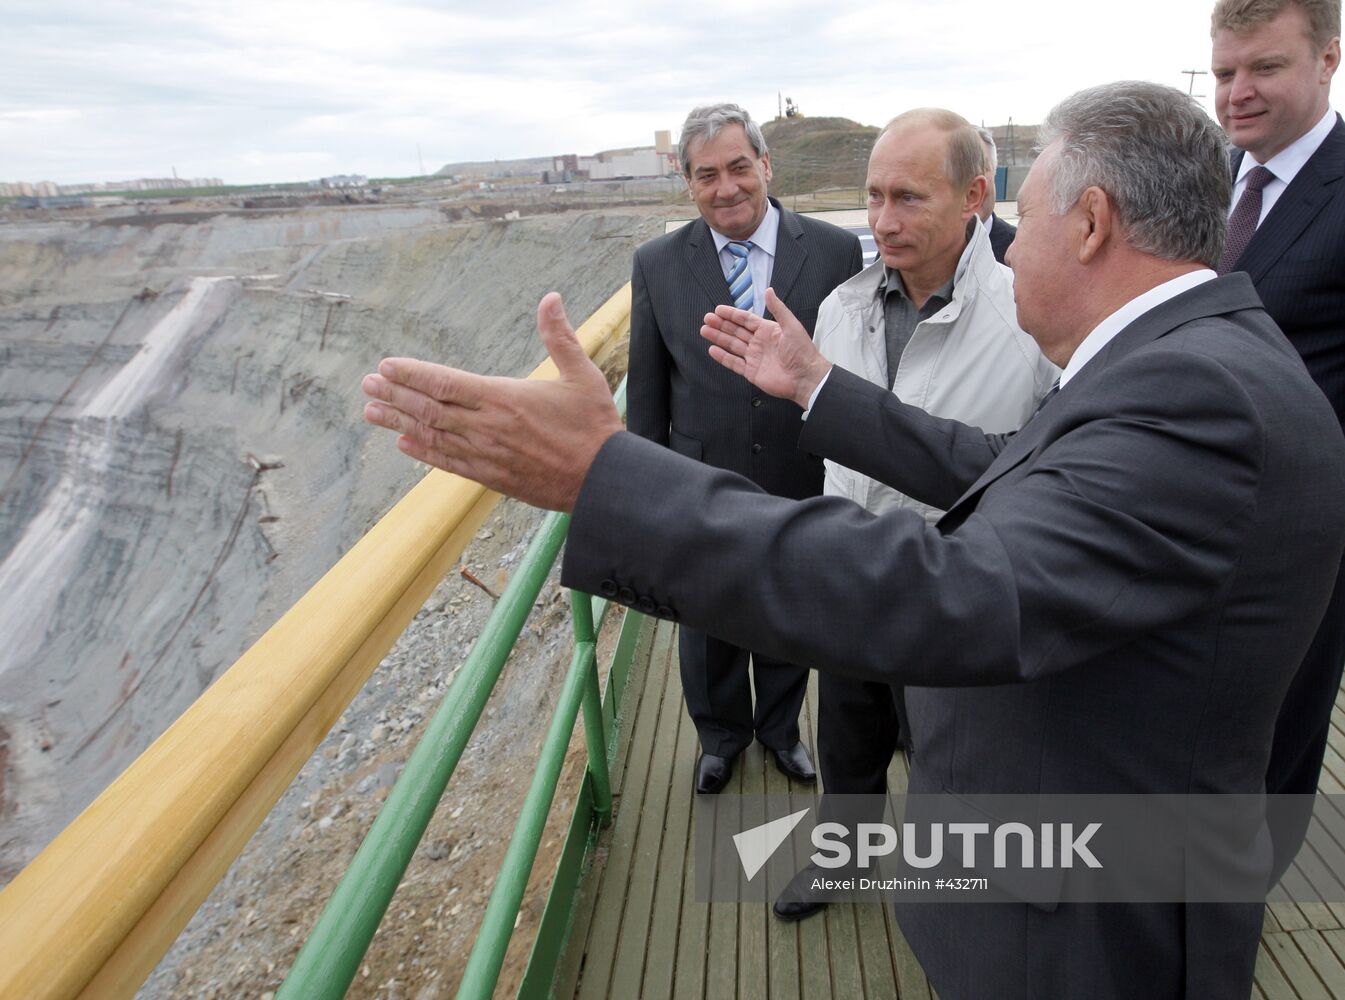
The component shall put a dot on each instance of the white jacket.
(969, 362)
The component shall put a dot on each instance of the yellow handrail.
(96, 910)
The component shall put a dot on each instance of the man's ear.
(1330, 61)
(1096, 220)
(975, 196)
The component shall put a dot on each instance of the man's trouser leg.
(718, 692)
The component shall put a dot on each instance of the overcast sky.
(285, 90)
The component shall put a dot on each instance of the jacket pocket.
(1040, 888)
(684, 445)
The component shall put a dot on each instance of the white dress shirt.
(1285, 165)
(1103, 333)
(760, 258)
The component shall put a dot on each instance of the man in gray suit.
(1118, 595)
(1273, 61)
(742, 244)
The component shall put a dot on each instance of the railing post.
(594, 738)
(581, 612)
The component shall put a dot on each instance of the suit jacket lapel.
(790, 254)
(1296, 206)
(1234, 292)
(703, 262)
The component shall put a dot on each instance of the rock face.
(181, 450)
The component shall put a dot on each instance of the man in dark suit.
(677, 397)
(1273, 63)
(1118, 595)
(1001, 233)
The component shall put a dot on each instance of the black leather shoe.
(799, 900)
(796, 763)
(713, 773)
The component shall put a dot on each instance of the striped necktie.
(740, 278)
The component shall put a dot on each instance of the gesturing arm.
(1126, 524)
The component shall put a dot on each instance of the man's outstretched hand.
(777, 356)
(532, 440)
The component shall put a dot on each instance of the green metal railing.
(334, 950)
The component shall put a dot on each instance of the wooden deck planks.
(1325, 963)
(753, 932)
(634, 941)
(1269, 978)
(1296, 968)
(661, 960)
(875, 950)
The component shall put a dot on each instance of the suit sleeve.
(1130, 520)
(864, 427)
(648, 388)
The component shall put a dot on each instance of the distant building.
(344, 181)
(564, 170)
(658, 160)
(638, 163)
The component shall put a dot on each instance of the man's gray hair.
(1161, 160)
(991, 153)
(704, 123)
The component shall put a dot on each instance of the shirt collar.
(892, 281)
(1105, 331)
(765, 236)
(945, 291)
(1286, 164)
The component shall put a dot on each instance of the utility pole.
(779, 105)
(1193, 73)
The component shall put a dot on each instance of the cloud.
(237, 90)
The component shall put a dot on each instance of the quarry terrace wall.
(181, 451)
